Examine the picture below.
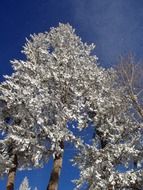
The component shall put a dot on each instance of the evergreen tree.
(46, 91)
(25, 185)
(117, 142)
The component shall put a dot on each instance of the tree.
(13, 148)
(8, 161)
(25, 185)
(60, 81)
(130, 76)
(117, 142)
(5, 160)
(48, 89)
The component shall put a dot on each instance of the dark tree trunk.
(55, 174)
(11, 174)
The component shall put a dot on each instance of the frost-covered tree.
(60, 81)
(13, 147)
(6, 161)
(25, 185)
(130, 76)
(117, 142)
(50, 87)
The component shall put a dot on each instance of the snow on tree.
(50, 87)
(5, 160)
(60, 81)
(25, 185)
(117, 142)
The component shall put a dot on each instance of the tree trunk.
(55, 174)
(11, 174)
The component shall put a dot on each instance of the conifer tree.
(45, 92)
(117, 142)
(25, 185)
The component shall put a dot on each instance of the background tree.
(130, 74)
(25, 185)
(117, 142)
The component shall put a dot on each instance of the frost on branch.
(45, 91)
(60, 81)
(118, 142)
(6, 159)
(25, 185)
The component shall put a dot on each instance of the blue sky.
(115, 26)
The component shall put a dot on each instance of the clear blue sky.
(115, 26)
